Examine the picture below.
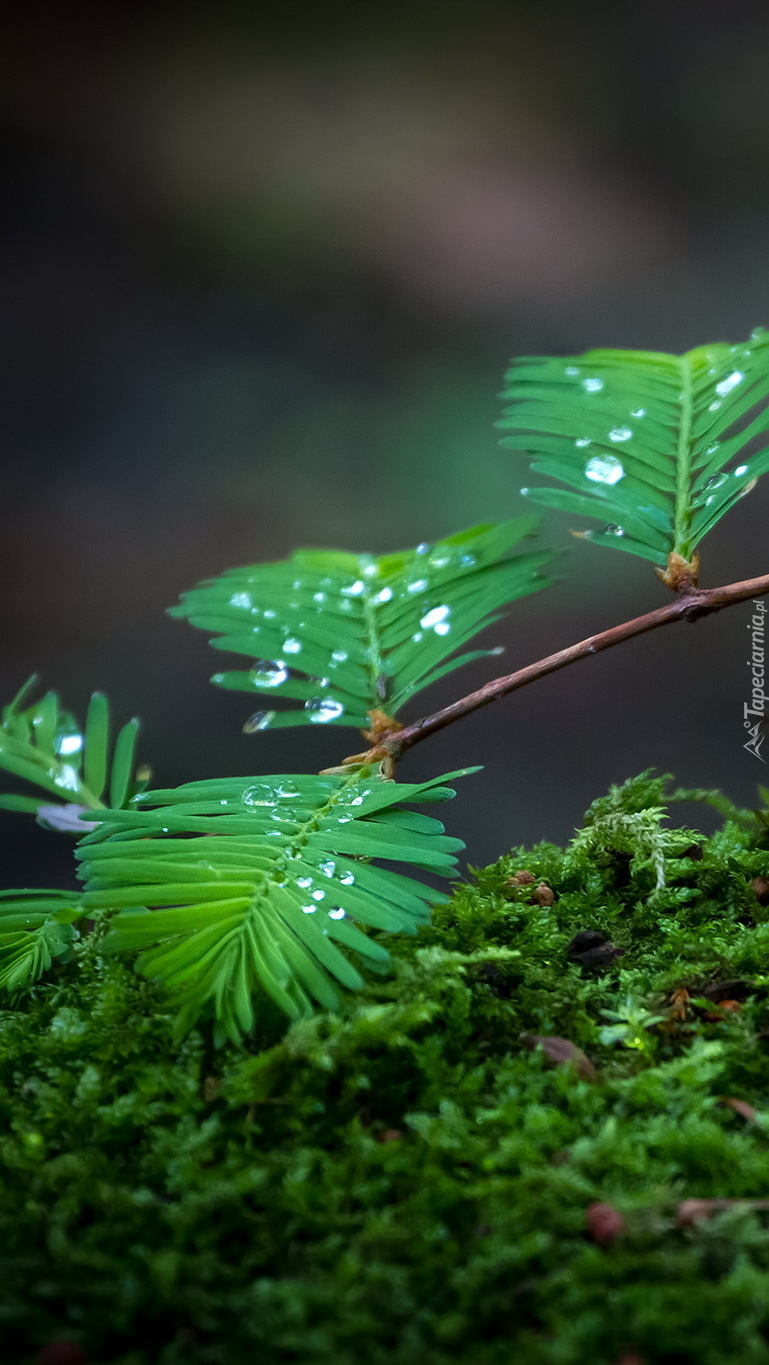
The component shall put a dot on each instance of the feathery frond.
(44, 744)
(35, 927)
(266, 887)
(653, 444)
(345, 634)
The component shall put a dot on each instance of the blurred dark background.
(261, 279)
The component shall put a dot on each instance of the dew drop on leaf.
(592, 385)
(347, 879)
(266, 673)
(731, 382)
(620, 433)
(327, 867)
(336, 914)
(259, 721)
(339, 656)
(68, 743)
(604, 469)
(292, 646)
(416, 585)
(323, 709)
(434, 618)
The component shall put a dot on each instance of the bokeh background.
(261, 280)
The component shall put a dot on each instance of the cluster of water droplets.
(719, 480)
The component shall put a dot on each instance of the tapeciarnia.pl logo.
(754, 711)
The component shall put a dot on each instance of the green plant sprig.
(239, 887)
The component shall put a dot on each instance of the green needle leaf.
(269, 884)
(652, 444)
(345, 634)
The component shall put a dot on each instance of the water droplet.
(715, 405)
(385, 595)
(612, 529)
(417, 636)
(327, 867)
(339, 656)
(70, 743)
(241, 599)
(582, 442)
(309, 909)
(268, 674)
(355, 589)
(717, 481)
(259, 721)
(741, 471)
(318, 895)
(440, 560)
(468, 561)
(604, 469)
(336, 914)
(319, 597)
(347, 879)
(571, 370)
(758, 334)
(286, 789)
(65, 777)
(304, 882)
(730, 382)
(592, 385)
(422, 549)
(416, 585)
(345, 605)
(711, 450)
(433, 618)
(638, 412)
(254, 796)
(323, 709)
(357, 801)
(369, 567)
(620, 433)
(292, 646)
(269, 613)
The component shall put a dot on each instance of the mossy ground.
(411, 1180)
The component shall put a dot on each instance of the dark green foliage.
(652, 444)
(409, 1180)
(345, 634)
(44, 745)
(269, 887)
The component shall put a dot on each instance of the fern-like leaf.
(345, 633)
(44, 745)
(265, 886)
(652, 444)
(35, 927)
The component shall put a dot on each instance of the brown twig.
(689, 606)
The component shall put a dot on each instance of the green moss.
(409, 1180)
